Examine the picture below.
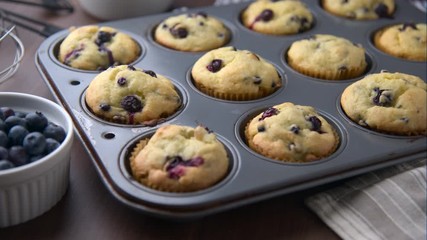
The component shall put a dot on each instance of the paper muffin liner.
(138, 147)
(408, 133)
(126, 120)
(269, 155)
(328, 75)
(231, 96)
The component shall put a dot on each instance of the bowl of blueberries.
(36, 137)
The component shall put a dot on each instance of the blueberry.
(7, 112)
(273, 84)
(131, 104)
(121, 81)
(268, 113)
(382, 11)
(4, 140)
(257, 80)
(51, 145)
(105, 107)
(266, 15)
(1, 115)
(215, 65)
(261, 128)
(103, 37)
(5, 164)
(2, 125)
(408, 25)
(54, 131)
(20, 114)
(295, 129)
(383, 97)
(16, 135)
(111, 61)
(75, 53)
(132, 68)
(174, 162)
(25, 139)
(4, 153)
(151, 73)
(316, 124)
(36, 121)
(180, 32)
(14, 121)
(34, 143)
(404, 119)
(18, 156)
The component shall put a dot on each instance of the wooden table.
(89, 211)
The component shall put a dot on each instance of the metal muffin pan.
(251, 177)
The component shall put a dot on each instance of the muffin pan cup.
(251, 177)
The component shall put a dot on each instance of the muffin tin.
(251, 177)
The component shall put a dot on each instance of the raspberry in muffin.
(180, 159)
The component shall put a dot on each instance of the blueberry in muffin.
(360, 9)
(192, 32)
(232, 74)
(129, 95)
(393, 103)
(284, 17)
(97, 48)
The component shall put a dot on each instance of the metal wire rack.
(8, 32)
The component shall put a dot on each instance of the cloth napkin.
(386, 204)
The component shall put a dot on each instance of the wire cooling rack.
(9, 38)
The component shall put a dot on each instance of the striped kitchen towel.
(386, 204)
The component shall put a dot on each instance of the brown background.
(89, 211)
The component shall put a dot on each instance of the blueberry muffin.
(392, 103)
(127, 95)
(291, 133)
(97, 48)
(277, 17)
(327, 57)
(179, 159)
(407, 41)
(232, 74)
(360, 9)
(193, 32)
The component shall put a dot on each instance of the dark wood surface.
(89, 211)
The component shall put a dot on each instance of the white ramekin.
(30, 190)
